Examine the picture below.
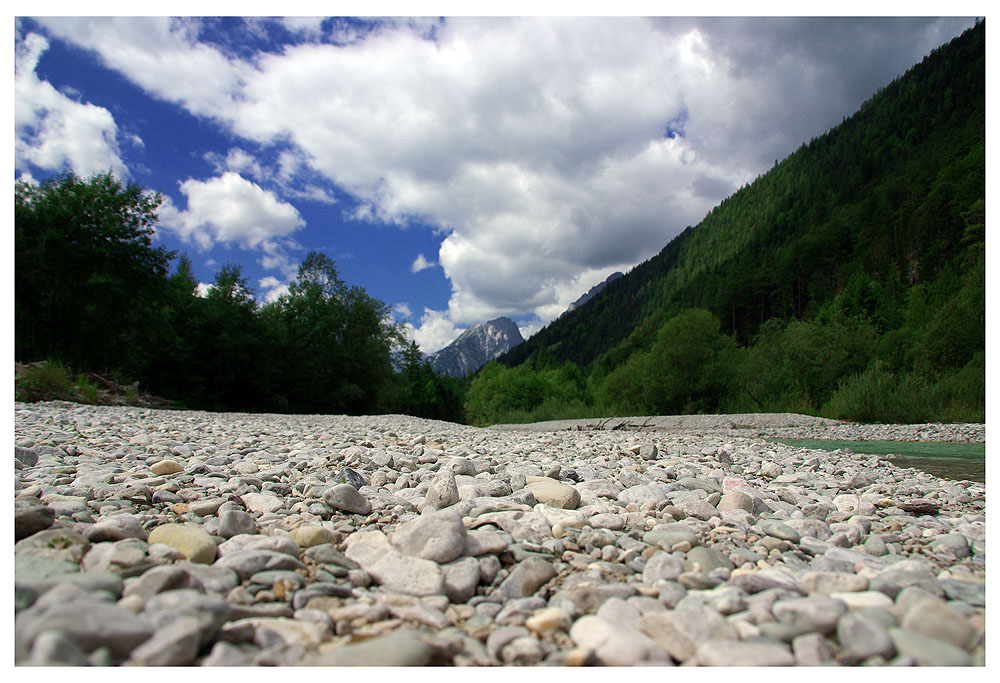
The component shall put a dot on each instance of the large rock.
(346, 498)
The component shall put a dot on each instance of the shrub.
(44, 381)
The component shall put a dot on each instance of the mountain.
(476, 346)
(592, 291)
(896, 192)
(847, 281)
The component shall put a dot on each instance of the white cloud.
(435, 331)
(272, 288)
(53, 131)
(547, 151)
(230, 209)
(421, 263)
(203, 288)
(402, 310)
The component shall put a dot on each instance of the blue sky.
(458, 169)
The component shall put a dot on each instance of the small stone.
(164, 467)
(743, 653)
(310, 535)
(935, 619)
(348, 499)
(662, 566)
(527, 577)
(235, 522)
(191, 541)
(175, 644)
(443, 490)
(735, 500)
(615, 645)
(681, 630)
(927, 651)
(547, 621)
(555, 493)
(439, 536)
(402, 647)
(861, 636)
(262, 502)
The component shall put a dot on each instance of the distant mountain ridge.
(475, 347)
(589, 294)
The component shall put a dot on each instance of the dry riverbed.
(150, 537)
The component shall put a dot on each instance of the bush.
(878, 395)
(44, 381)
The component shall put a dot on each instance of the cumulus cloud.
(548, 152)
(55, 132)
(421, 263)
(272, 288)
(229, 209)
(436, 330)
(402, 310)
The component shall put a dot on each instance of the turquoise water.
(949, 460)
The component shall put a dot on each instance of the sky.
(456, 168)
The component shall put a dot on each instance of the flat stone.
(310, 535)
(813, 614)
(262, 502)
(191, 541)
(32, 519)
(735, 500)
(662, 566)
(861, 636)
(236, 522)
(391, 568)
(555, 493)
(927, 651)
(248, 562)
(935, 619)
(401, 647)
(825, 583)
(743, 653)
(175, 644)
(681, 630)
(164, 467)
(99, 625)
(614, 645)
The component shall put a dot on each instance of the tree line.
(94, 294)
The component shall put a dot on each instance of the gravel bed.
(147, 537)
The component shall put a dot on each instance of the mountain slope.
(891, 198)
(476, 346)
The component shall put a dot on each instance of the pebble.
(158, 538)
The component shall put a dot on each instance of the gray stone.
(99, 625)
(348, 499)
(439, 536)
(927, 651)
(681, 630)
(31, 519)
(862, 636)
(662, 567)
(461, 578)
(777, 529)
(248, 562)
(401, 647)
(174, 644)
(527, 577)
(443, 490)
(743, 653)
(703, 559)
(392, 569)
(933, 618)
(235, 522)
(615, 645)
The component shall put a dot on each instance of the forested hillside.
(849, 280)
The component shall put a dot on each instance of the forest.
(848, 281)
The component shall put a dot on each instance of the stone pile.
(146, 537)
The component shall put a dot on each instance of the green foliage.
(88, 279)
(93, 293)
(687, 369)
(44, 381)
